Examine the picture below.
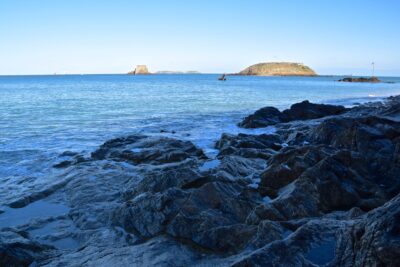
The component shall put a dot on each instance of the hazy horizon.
(100, 37)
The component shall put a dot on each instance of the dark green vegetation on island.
(278, 69)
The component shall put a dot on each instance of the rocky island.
(360, 80)
(278, 69)
(139, 70)
(322, 189)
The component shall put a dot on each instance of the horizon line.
(196, 73)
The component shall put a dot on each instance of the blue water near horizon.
(43, 116)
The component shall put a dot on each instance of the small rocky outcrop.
(360, 80)
(140, 69)
(278, 69)
(140, 149)
(300, 111)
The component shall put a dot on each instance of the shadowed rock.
(16, 249)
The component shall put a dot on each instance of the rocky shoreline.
(324, 189)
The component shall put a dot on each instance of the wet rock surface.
(299, 111)
(139, 149)
(17, 250)
(323, 190)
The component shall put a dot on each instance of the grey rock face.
(373, 240)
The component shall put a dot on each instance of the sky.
(211, 36)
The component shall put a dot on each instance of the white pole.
(373, 69)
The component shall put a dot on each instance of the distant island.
(142, 69)
(278, 69)
(177, 72)
(139, 70)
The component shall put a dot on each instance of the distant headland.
(177, 72)
(278, 69)
(142, 69)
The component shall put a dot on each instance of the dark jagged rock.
(238, 167)
(249, 146)
(373, 240)
(138, 149)
(300, 111)
(288, 165)
(202, 215)
(376, 139)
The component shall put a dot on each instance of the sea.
(44, 116)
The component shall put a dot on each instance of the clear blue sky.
(98, 36)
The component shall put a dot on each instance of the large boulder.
(307, 111)
(262, 118)
(139, 149)
(300, 111)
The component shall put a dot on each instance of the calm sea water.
(43, 116)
